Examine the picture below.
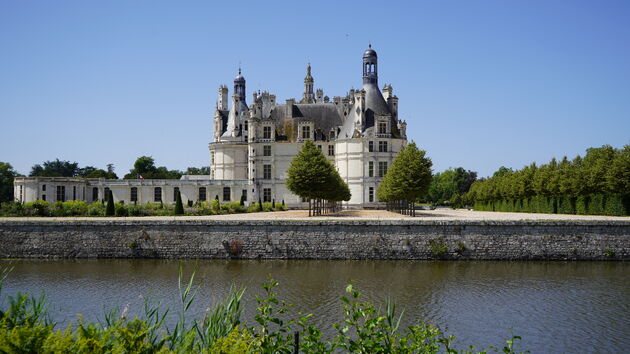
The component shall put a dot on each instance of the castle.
(254, 144)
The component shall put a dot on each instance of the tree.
(312, 176)
(55, 168)
(110, 209)
(7, 174)
(93, 172)
(179, 207)
(197, 171)
(451, 182)
(409, 177)
(145, 167)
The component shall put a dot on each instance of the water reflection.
(554, 306)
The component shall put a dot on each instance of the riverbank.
(366, 235)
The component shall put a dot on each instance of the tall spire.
(309, 96)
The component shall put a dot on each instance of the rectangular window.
(266, 171)
(382, 128)
(61, 193)
(371, 169)
(43, 196)
(74, 192)
(134, 194)
(226, 194)
(266, 195)
(331, 150)
(266, 132)
(106, 194)
(267, 150)
(306, 132)
(371, 146)
(246, 125)
(382, 168)
(157, 194)
(175, 191)
(43, 188)
(371, 195)
(319, 147)
(244, 195)
(382, 146)
(202, 194)
(94, 194)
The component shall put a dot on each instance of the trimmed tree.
(311, 176)
(408, 179)
(110, 209)
(179, 207)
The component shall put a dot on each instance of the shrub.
(179, 207)
(111, 209)
(96, 209)
(121, 209)
(37, 208)
(438, 248)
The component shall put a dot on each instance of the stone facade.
(253, 146)
(409, 239)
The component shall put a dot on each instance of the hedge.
(595, 204)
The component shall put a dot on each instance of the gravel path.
(438, 214)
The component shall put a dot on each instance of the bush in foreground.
(25, 328)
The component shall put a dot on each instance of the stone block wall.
(414, 239)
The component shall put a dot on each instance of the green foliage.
(439, 249)
(93, 172)
(449, 184)
(409, 177)
(110, 210)
(121, 209)
(26, 328)
(145, 167)
(56, 168)
(7, 174)
(179, 207)
(598, 184)
(96, 209)
(198, 171)
(312, 176)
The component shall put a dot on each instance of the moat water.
(555, 306)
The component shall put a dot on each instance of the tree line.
(598, 183)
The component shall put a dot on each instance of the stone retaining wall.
(407, 239)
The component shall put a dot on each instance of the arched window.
(94, 194)
(157, 194)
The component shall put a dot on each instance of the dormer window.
(306, 132)
(266, 132)
(382, 128)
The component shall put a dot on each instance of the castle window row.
(382, 146)
(382, 168)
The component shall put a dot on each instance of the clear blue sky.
(481, 83)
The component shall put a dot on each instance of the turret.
(222, 103)
(308, 97)
(239, 85)
(370, 66)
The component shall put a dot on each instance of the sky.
(482, 84)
